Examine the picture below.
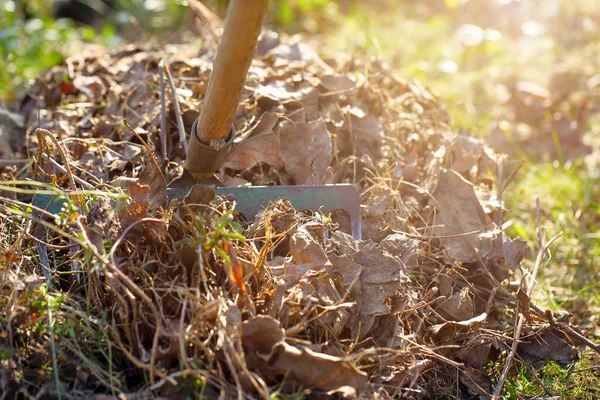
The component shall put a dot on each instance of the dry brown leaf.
(547, 344)
(475, 355)
(379, 204)
(406, 375)
(370, 275)
(305, 150)
(403, 248)
(91, 86)
(336, 83)
(477, 382)
(260, 334)
(449, 330)
(460, 220)
(153, 177)
(459, 307)
(263, 340)
(506, 255)
(307, 255)
(138, 206)
(316, 370)
(524, 304)
(264, 147)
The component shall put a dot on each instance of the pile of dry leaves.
(147, 298)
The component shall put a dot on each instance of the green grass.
(579, 384)
(569, 202)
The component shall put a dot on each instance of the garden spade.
(213, 132)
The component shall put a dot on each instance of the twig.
(509, 179)
(178, 117)
(528, 285)
(62, 169)
(163, 112)
(571, 331)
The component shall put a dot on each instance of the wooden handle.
(234, 56)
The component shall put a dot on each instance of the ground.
(292, 292)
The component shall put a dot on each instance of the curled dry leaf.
(476, 382)
(506, 255)
(403, 248)
(91, 86)
(263, 341)
(260, 334)
(316, 370)
(524, 304)
(448, 330)
(379, 204)
(405, 375)
(475, 353)
(102, 222)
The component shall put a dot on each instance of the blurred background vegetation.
(522, 73)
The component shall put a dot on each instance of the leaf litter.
(185, 298)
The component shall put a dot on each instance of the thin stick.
(62, 169)
(178, 117)
(163, 112)
(528, 285)
(571, 331)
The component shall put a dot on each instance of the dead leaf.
(459, 307)
(316, 370)
(548, 344)
(92, 86)
(136, 207)
(260, 334)
(467, 151)
(524, 304)
(475, 354)
(263, 341)
(305, 150)
(379, 204)
(153, 177)
(370, 275)
(307, 255)
(403, 248)
(336, 83)
(447, 331)
(406, 375)
(476, 382)
(460, 220)
(263, 148)
(506, 255)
